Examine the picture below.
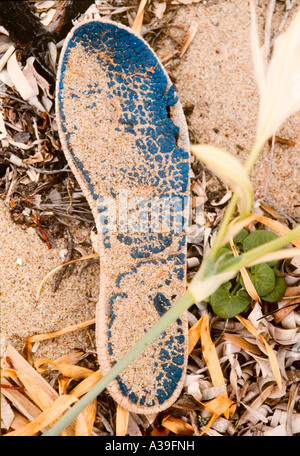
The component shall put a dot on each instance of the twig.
(61, 273)
(268, 27)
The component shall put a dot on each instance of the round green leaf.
(278, 292)
(239, 238)
(257, 238)
(226, 305)
(263, 278)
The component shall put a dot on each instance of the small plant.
(232, 298)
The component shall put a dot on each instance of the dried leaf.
(212, 361)
(219, 405)
(241, 342)
(121, 421)
(194, 335)
(138, 22)
(286, 310)
(86, 419)
(177, 426)
(270, 352)
(26, 350)
(21, 83)
(68, 370)
(189, 38)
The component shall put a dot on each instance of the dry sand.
(25, 262)
(215, 76)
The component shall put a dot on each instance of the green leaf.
(239, 238)
(263, 278)
(257, 238)
(278, 292)
(226, 305)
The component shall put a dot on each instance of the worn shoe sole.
(124, 135)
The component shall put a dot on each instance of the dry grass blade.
(210, 354)
(68, 370)
(242, 343)
(26, 350)
(58, 268)
(189, 38)
(222, 402)
(122, 419)
(278, 255)
(138, 22)
(194, 335)
(280, 314)
(270, 351)
(86, 419)
(247, 281)
(85, 385)
(277, 227)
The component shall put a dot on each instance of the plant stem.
(232, 205)
(167, 319)
(235, 288)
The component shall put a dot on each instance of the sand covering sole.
(124, 135)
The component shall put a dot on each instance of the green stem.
(232, 205)
(235, 288)
(166, 320)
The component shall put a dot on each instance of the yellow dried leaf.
(68, 370)
(85, 420)
(85, 385)
(194, 335)
(121, 421)
(219, 405)
(210, 354)
(8, 373)
(212, 361)
(138, 22)
(242, 343)
(177, 426)
(27, 347)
